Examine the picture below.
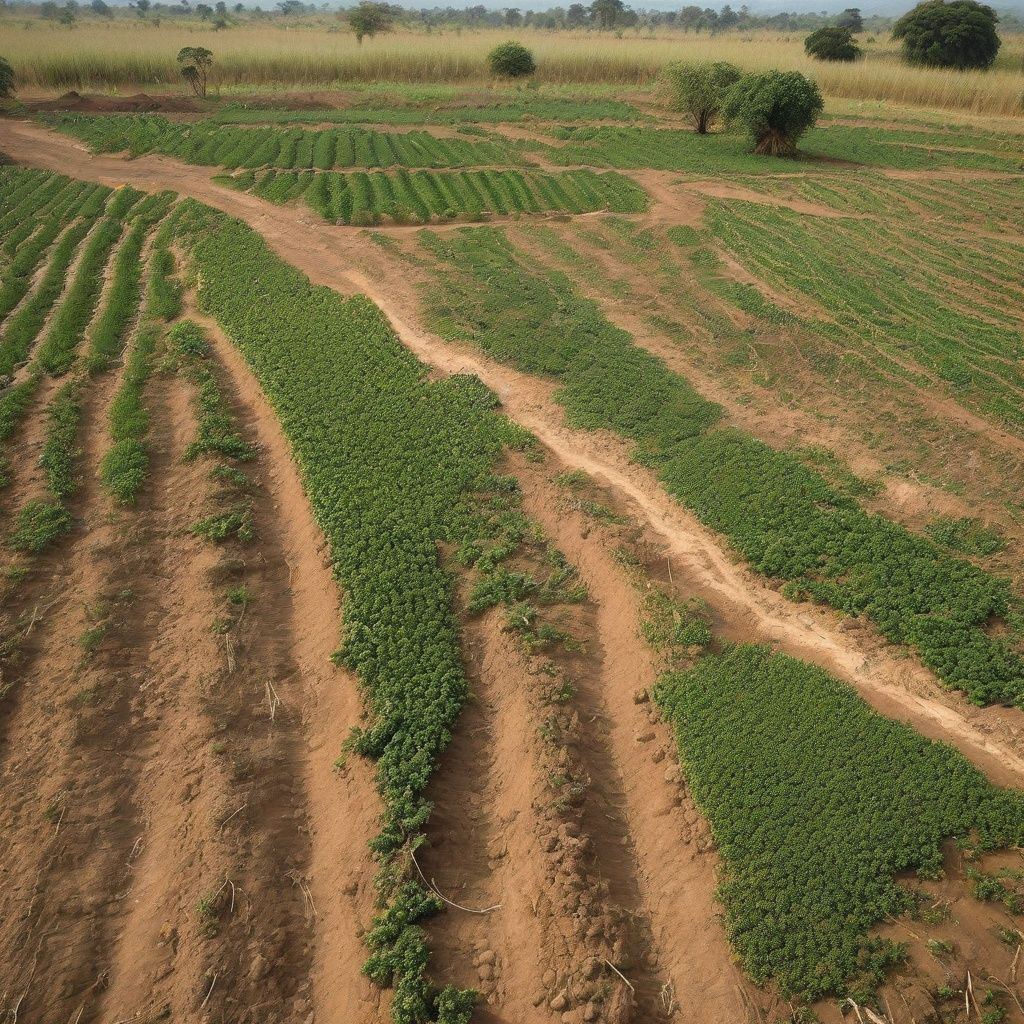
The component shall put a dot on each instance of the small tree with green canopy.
(370, 19)
(7, 89)
(511, 60)
(961, 34)
(774, 109)
(851, 19)
(699, 88)
(832, 43)
(195, 62)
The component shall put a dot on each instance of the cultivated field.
(489, 554)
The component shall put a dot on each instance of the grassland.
(140, 54)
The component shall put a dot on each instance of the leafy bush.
(774, 108)
(511, 60)
(699, 88)
(970, 536)
(961, 34)
(832, 43)
(6, 80)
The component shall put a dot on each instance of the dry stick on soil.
(1013, 966)
(432, 886)
(621, 975)
(272, 698)
(231, 815)
(210, 993)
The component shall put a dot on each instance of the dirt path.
(990, 737)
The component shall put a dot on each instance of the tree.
(851, 19)
(832, 43)
(370, 18)
(961, 34)
(607, 12)
(577, 15)
(102, 9)
(699, 88)
(513, 17)
(774, 108)
(141, 7)
(205, 11)
(511, 60)
(195, 62)
(7, 89)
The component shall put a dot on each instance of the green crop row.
(419, 196)
(20, 330)
(85, 203)
(817, 803)
(211, 144)
(890, 289)
(41, 521)
(679, 150)
(390, 461)
(58, 350)
(506, 110)
(108, 336)
(783, 516)
(125, 464)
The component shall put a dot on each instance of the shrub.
(699, 88)
(6, 79)
(774, 108)
(961, 34)
(511, 60)
(834, 43)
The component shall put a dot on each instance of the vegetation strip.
(420, 196)
(817, 803)
(212, 144)
(392, 464)
(785, 518)
(125, 464)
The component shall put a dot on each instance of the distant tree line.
(599, 14)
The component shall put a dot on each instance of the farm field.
(482, 555)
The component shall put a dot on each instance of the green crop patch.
(673, 149)
(211, 144)
(897, 294)
(817, 803)
(510, 109)
(404, 197)
(785, 518)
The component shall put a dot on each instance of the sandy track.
(990, 737)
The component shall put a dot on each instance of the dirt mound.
(141, 103)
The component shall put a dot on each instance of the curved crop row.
(391, 462)
(784, 517)
(419, 196)
(212, 144)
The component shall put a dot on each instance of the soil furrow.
(342, 806)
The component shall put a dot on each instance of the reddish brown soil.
(141, 103)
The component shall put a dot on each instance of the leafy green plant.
(817, 801)
(774, 109)
(960, 34)
(511, 60)
(698, 89)
(833, 42)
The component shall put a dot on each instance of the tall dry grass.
(133, 53)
